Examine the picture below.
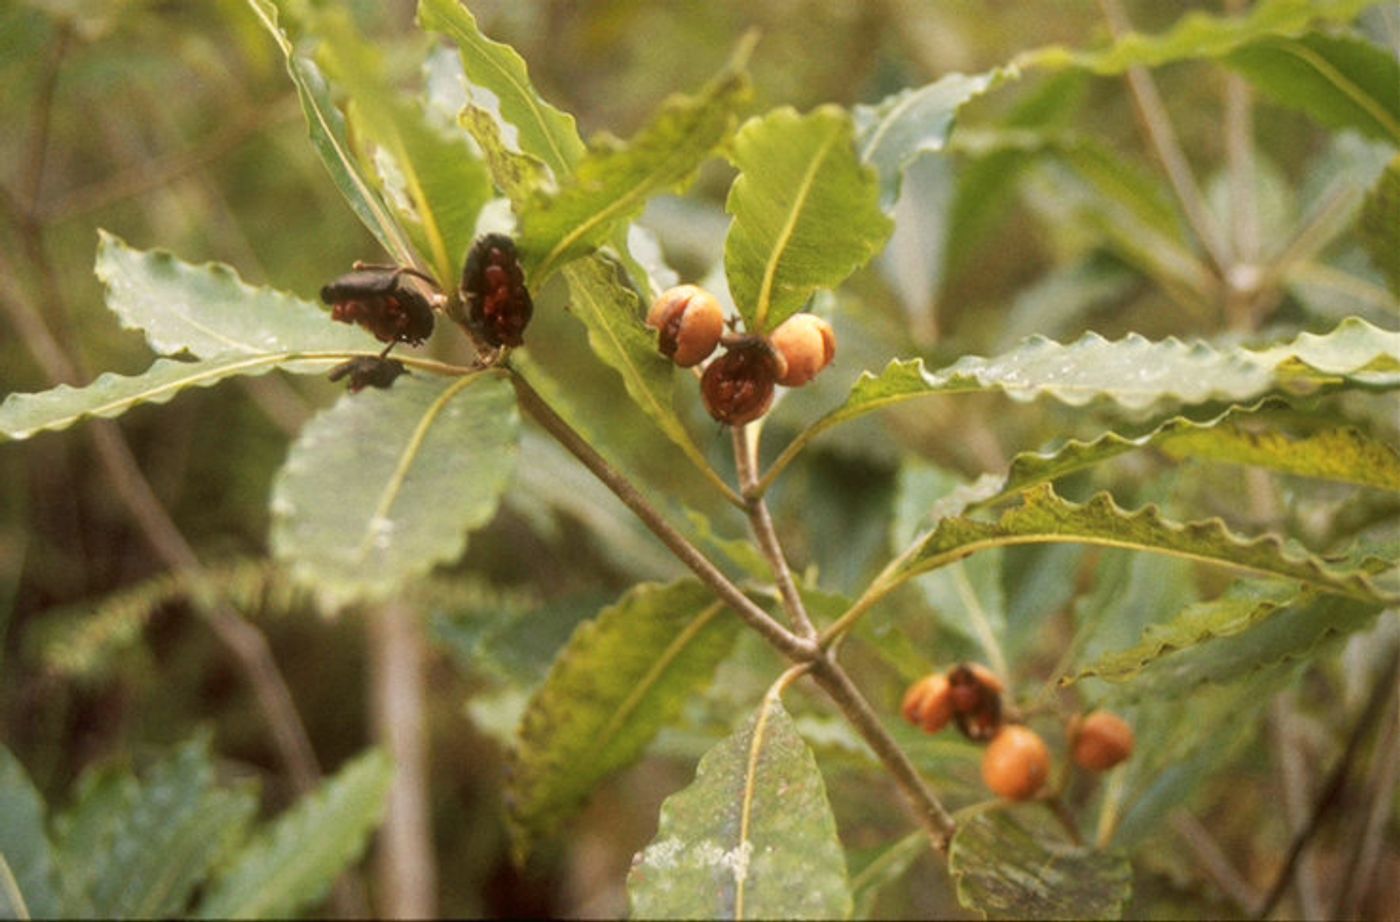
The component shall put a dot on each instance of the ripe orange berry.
(808, 343)
(927, 703)
(690, 323)
(1100, 741)
(1016, 764)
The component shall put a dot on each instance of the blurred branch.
(161, 171)
(1288, 755)
(1365, 859)
(1213, 860)
(405, 859)
(1336, 782)
(41, 121)
(1243, 277)
(1157, 124)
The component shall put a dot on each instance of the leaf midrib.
(804, 191)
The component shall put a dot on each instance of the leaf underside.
(752, 837)
(622, 677)
(387, 483)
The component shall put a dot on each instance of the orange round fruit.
(1100, 741)
(1016, 764)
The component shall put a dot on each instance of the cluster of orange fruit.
(738, 386)
(1016, 763)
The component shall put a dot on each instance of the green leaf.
(752, 837)
(613, 181)
(24, 415)
(1380, 224)
(621, 678)
(1251, 627)
(1342, 81)
(516, 174)
(612, 312)
(1003, 871)
(1046, 518)
(1133, 372)
(443, 183)
(292, 863)
(387, 483)
(897, 130)
(1346, 455)
(168, 837)
(1199, 35)
(106, 795)
(543, 131)
(327, 130)
(28, 876)
(209, 312)
(883, 870)
(806, 212)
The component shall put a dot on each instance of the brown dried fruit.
(976, 698)
(499, 305)
(1017, 763)
(689, 322)
(807, 343)
(394, 303)
(927, 703)
(738, 386)
(1100, 741)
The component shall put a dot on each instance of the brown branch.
(928, 809)
(761, 523)
(795, 648)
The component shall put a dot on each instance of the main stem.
(789, 644)
(802, 650)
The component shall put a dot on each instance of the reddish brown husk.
(975, 693)
(499, 305)
(368, 371)
(738, 386)
(390, 303)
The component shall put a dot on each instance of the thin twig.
(796, 648)
(1160, 134)
(1332, 790)
(1213, 860)
(761, 522)
(1056, 805)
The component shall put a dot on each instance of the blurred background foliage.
(173, 125)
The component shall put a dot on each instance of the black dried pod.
(392, 303)
(493, 289)
(368, 371)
